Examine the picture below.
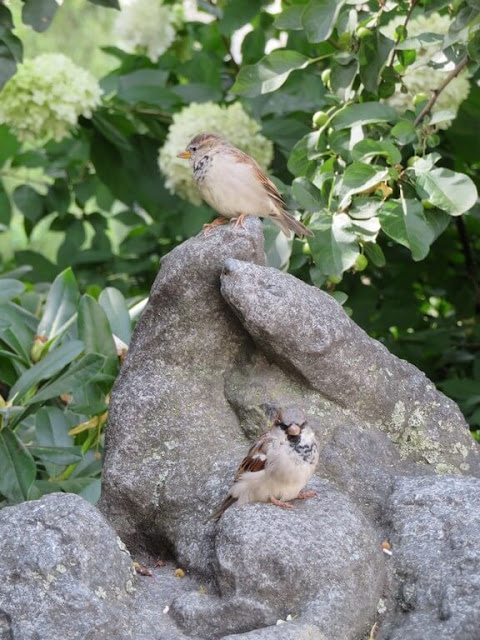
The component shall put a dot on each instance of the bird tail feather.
(215, 515)
(288, 223)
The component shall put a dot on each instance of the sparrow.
(277, 466)
(233, 184)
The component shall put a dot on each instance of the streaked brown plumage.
(277, 466)
(233, 184)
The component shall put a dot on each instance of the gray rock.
(310, 563)
(436, 560)
(191, 397)
(169, 418)
(305, 330)
(287, 631)
(64, 573)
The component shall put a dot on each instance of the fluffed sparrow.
(233, 184)
(277, 466)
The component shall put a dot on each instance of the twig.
(399, 37)
(140, 110)
(228, 47)
(470, 264)
(436, 92)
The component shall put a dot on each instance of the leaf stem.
(399, 37)
(436, 92)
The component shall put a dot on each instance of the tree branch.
(436, 92)
(409, 14)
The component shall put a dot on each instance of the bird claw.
(281, 503)
(306, 494)
(217, 222)
(239, 221)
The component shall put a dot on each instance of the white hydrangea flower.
(419, 77)
(46, 96)
(147, 26)
(230, 121)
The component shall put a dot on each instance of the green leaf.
(306, 194)
(236, 14)
(290, 18)
(6, 19)
(423, 40)
(334, 246)
(17, 328)
(405, 132)
(78, 375)
(373, 54)
(51, 430)
(87, 488)
(60, 306)
(60, 456)
(404, 221)
(361, 114)
(11, 52)
(5, 207)
(359, 177)
(49, 366)
(38, 14)
(375, 254)
(450, 191)
(29, 201)
(270, 73)
(18, 468)
(319, 19)
(146, 86)
(342, 77)
(94, 329)
(364, 207)
(299, 162)
(106, 125)
(9, 144)
(10, 289)
(368, 148)
(116, 309)
(473, 47)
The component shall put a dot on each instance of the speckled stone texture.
(221, 337)
(312, 562)
(64, 573)
(436, 570)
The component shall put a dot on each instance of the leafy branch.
(413, 3)
(436, 92)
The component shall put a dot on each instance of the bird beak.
(293, 430)
(186, 155)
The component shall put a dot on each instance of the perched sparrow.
(277, 466)
(233, 184)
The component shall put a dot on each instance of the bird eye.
(194, 148)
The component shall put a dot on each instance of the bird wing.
(256, 458)
(265, 181)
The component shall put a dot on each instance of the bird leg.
(239, 220)
(218, 221)
(280, 503)
(306, 494)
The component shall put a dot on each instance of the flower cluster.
(230, 121)
(421, 78)
(148, 26)
(46, 96)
